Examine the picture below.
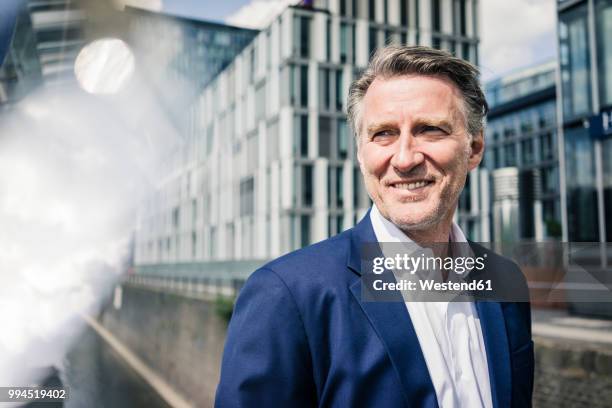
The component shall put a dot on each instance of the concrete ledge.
(153, 379)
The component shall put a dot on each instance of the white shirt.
(449, 334)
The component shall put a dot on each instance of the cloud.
(153, 5)
(516, 34)
(258, 13)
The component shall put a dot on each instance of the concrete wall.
(180, 338)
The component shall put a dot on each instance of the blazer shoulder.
(322, 260)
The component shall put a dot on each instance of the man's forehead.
(431, 97)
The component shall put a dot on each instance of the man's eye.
(383, 133)
(432, 129)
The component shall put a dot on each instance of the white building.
(269, 165)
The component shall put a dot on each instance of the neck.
(439, 233)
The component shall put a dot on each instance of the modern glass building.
(585, 107)
(270, 162)
(521, 155)
(179, 56)
(48, 36)
(59, 31)
(21, 70)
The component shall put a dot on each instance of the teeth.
(411, 186)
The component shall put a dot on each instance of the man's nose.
(407, 154)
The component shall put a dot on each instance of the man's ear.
(477, 148)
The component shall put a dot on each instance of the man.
(302, 335)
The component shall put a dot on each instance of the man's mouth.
(414, 185)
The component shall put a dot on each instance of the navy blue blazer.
(301, 336)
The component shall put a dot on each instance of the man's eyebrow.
(438, 122)
(380, 125)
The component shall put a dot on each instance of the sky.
(514, 34)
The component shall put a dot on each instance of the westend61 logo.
(412, 264)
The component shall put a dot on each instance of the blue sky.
(207, 9)
(514, 34)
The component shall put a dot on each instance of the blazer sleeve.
(266, 361)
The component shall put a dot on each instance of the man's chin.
(415, 223)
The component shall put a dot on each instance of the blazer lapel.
(498, 353)
(495, 337)
(392, 323)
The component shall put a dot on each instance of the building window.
(339, 90)
(372, 10)
(304, 85)
(328, 39)
(252, 152)
(389, 37)
(404, 13)
(339, 187)
(526, 123)
(372, 40)
(325, 89)
(304, 230)
(194, 243)
(194, 211)
(606, 151)
(325, 137)
(465, 52)
(272, 147)
(527, 151)
(176, 218)
(247, 198)
(230, 240)
(550, 181)
(347, 43)
(342, 136)
(356, 188)
(386, 11)
(510, 156)
(260, 102)
(436, 42)
(574, 60)
(209, 139)
(460, 23)
(253, 64)
(604, 52)
(300, 132)
(303, 191)
(435, 16)
(307, 186)
(298, 85)
(546, 146)
(212, 243)
(301, 36)
(268, 49)
(582, 215)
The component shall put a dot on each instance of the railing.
(196, 279)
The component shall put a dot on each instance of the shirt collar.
(386, 231)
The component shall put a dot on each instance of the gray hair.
(396, 60)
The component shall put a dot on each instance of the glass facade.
(574, 58)
(604, 52)
(521, 134)
(581, 186)
(275, 156)
(585, 56)
(21, 71)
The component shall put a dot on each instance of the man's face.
(414, 150)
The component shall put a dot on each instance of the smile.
(411, 186)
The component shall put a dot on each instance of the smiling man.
(302, 334)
